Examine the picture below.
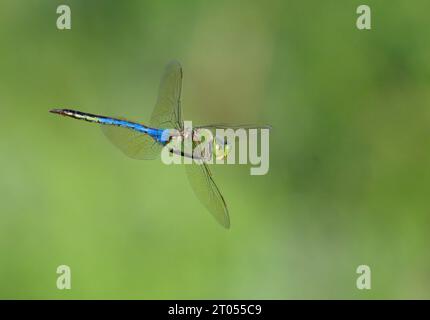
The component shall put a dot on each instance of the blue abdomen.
(157, 134)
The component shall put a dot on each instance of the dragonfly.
(145, 142)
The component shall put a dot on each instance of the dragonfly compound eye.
(221, 148)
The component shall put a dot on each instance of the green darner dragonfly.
(139, 141)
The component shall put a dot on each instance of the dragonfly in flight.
(139, 141)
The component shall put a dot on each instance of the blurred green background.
(349, 155)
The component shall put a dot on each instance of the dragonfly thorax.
(204, 144)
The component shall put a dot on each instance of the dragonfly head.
(221, 147)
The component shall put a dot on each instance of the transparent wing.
(166, 114)
(233, 126)
(213, 128)
(167, 111)
(206, 190)
(134, 144)
(202, 181)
